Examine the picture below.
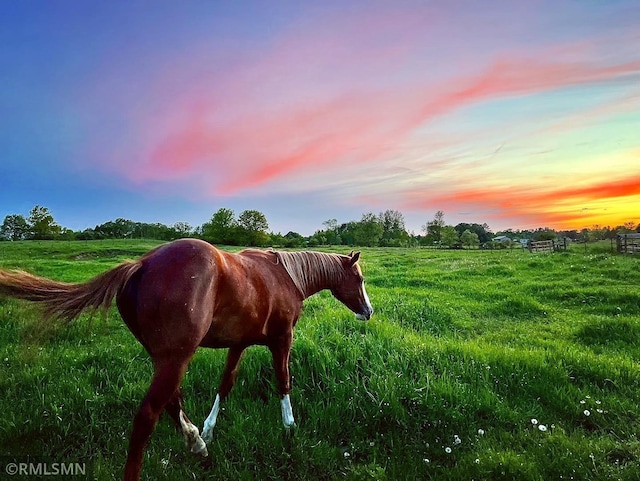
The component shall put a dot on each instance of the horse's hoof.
(290, 431)
(198, 446)
(206, 463)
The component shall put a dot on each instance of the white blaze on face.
(368, 305)
(366, 299)
(287, 412)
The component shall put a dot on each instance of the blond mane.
(312, 271)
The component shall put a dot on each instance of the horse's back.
(255, 301)
(188, 293)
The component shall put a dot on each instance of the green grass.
(461, 341)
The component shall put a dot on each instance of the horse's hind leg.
(166, 380)
(194, 442)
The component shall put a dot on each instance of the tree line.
(251, 228)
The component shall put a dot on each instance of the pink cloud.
(506, 78)
(317, 98)
(305, 137)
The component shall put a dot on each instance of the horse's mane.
(309, 269)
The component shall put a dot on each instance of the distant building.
(503, 239)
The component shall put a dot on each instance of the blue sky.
(517, 114)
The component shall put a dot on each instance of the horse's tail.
(63, 300)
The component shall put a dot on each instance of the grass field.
(479, 365)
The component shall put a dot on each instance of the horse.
(188, 294)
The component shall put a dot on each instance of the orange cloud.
(620, 188)
(565, 206)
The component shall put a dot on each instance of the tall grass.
(476, 365)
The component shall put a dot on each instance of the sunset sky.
(520, 114)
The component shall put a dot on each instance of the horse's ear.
(354, 258)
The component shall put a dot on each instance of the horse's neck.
(324, 273)
(312, 272)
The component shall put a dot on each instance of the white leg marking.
(287, 412)
(210, 422)
(192, 437)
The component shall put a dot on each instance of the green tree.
(347, 233)
(469, 239)
(222, 228)
(626, 228)
(87, 234)
(116, 229)
(368, 231)
(41, 224)
(66, 234)
(182, 229)
(481, 230)
(394, 232)
(433, 228)
(545, 234)
(14, 227)
(253, 227)
(293, 239)
(331, 232)
(449, 236)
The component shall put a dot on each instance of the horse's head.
(350, 291)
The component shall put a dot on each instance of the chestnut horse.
(187, 294)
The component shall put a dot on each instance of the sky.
(518, 114)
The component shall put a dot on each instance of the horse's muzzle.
(365, 315)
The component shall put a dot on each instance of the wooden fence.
(628, 243)
(547, 245)
(541, 246)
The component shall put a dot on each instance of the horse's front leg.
(280, 352)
